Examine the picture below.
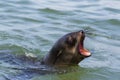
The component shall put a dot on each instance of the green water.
(32, 27)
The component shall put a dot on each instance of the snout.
(81, 35)
(82, 32)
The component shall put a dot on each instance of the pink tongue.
(83, 51)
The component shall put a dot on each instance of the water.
(30, 27)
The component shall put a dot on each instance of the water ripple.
(29, 26)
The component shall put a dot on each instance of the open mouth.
(84, 52)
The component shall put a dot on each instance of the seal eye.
(71, 40)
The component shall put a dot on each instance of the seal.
(68, 50)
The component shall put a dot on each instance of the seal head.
(68, 50)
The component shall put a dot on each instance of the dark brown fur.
(65, 51)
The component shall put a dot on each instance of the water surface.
(30, 27)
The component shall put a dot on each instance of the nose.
(81, 31)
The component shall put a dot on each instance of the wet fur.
(65, 50)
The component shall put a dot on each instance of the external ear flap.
(58, 54)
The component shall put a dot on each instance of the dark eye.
(71, 40)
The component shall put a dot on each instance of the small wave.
(114, 21)
(112, 10)
(54, 11)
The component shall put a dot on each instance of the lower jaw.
(84, 52)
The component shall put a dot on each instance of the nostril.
(81, 31)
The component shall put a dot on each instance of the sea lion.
(68, 50)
